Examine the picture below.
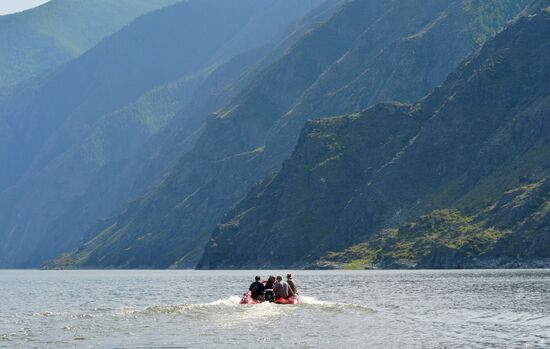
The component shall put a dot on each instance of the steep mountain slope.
(49, 35)
(251, 137)
(483, 133)
(102, 107)
(513, 232)
(160, 153)
(121, 182)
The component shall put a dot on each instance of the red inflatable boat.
(247, 299)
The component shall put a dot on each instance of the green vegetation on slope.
(490, 14)
(513, 232)
(410, 244)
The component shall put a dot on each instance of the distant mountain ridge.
(58, 130)
(127, 180)
(356, 48)
(46, 36)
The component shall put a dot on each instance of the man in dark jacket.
(257, 289)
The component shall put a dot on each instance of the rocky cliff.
(484, 132)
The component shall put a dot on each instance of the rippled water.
(188, 309)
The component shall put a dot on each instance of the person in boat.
(270, 282)
(257, 289)
(282, 289)
(291, 283)
(269, 295)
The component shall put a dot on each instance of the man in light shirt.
(282, 288)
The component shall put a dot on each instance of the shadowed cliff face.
(484, 132)
(293, 211)
(341, 67)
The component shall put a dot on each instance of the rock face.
(300, 205)
(364, 46)
(84, 123)
(484, 132)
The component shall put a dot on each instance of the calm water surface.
(189, 309)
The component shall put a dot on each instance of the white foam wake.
(315, 301)
(232, 304)
(334, 306)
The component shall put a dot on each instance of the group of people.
(274, 287)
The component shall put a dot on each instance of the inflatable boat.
(247, 299)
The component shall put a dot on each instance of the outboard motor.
(269, 295)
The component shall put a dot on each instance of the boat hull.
(247, 299)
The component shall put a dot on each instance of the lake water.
(341, 309)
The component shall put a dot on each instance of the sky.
(11, 6)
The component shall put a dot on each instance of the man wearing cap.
(291, 283)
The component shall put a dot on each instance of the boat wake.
(219, 304)
(334, 306)
(231, 305)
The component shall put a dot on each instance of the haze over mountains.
(183, 139)
(62, 127)
(60, 30)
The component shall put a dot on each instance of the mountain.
(365, 46)
(46, 36)
(511, 233)
(122, 181)
(59, 130)
(160, 153)
(459, 179)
